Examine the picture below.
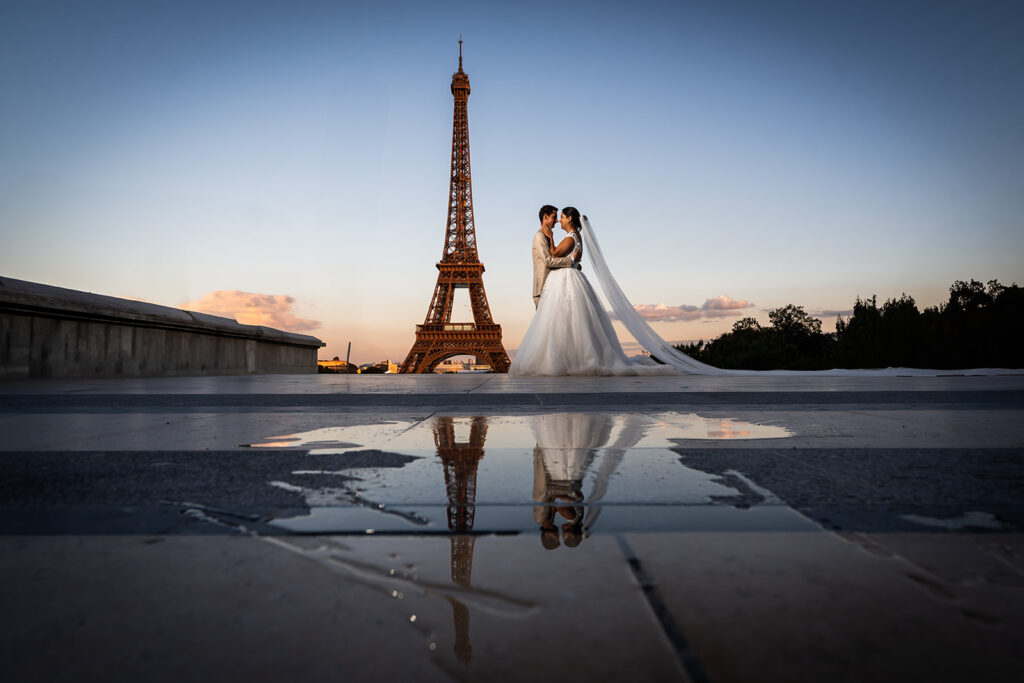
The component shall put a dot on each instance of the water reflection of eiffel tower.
(460, 461)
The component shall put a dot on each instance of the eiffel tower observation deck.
(439, 337)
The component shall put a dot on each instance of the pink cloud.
(724, 303)
(719, 307)
(667, 314)
(248, 308)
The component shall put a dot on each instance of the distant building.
(336, 366)
(384, 367)
(450, 366)
(344, 368)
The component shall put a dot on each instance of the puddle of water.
(554, 471)
(337, 439)
(565, 430)
(529, 475)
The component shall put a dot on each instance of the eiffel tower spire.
(460, 267)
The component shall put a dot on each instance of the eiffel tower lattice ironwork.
(438, 337)
(460, 461)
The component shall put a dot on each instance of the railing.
(458, 327)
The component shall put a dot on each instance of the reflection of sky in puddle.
(338, 439)
(549, 469)
(658, 430)
(508, 476)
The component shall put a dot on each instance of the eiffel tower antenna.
(460, 267)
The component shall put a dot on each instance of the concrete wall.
(54, 332)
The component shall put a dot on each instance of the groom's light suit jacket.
(544, 262)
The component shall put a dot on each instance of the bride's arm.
(564, 247)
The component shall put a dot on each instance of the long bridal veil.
(668, 354)
(637, 326)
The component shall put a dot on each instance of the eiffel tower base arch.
(434, 346)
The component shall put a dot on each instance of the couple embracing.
(571, 334)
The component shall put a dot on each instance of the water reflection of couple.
(567, 446)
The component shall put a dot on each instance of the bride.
(571, 334)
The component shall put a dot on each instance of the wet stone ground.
(163, 531)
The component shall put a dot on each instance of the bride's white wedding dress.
(571, 334)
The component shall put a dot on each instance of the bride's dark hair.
(574, 216)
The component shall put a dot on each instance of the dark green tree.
(793, 322)
(794, 341)
(980, 325)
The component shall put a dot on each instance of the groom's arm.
(540, 247)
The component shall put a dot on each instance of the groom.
(543, 261)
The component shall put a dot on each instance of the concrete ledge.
(691, 401)
(50, 331)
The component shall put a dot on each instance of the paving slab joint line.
(687, 657)
(481, 384)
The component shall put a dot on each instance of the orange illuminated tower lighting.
(438, 337)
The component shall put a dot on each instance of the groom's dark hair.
(547, 210)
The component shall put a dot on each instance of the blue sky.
(773, 153)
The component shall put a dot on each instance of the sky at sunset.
(287, 162)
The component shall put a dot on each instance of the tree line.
(978, 326)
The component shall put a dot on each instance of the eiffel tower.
(438, 337)
(460, 461)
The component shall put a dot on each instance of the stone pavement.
(482, 527)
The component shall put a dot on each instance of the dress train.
(571, 334)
